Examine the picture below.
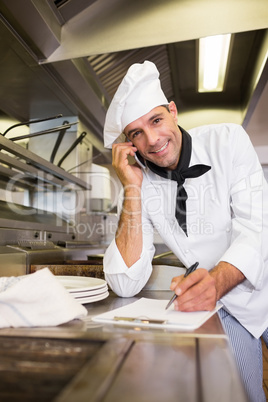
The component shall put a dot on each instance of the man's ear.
(173, 110)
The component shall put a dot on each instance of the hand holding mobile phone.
(128, 172)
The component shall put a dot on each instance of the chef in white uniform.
(204, 192)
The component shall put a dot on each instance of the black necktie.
(182, 172)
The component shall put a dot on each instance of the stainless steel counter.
(130, 364)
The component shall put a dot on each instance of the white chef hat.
(139, 92)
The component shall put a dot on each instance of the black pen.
(191, 269)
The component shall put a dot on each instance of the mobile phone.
(139, 159)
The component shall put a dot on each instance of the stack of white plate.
(85, 289)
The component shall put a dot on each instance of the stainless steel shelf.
(34, 167)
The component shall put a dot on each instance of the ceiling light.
(213, 57)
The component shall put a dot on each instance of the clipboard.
(152, 313)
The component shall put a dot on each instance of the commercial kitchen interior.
(61, 62)
(67, 58)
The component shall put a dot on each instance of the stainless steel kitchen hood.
(69, 56)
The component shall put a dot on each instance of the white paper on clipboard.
(146, 309)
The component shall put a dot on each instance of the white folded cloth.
(36, 300)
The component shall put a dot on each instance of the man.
(204, 192)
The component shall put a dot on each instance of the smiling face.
(157, 136)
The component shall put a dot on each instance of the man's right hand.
(129, 231)
(128, 174)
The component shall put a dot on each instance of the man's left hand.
(196, 292)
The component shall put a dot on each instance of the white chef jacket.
(227, 220)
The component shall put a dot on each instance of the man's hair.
(166, 107)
